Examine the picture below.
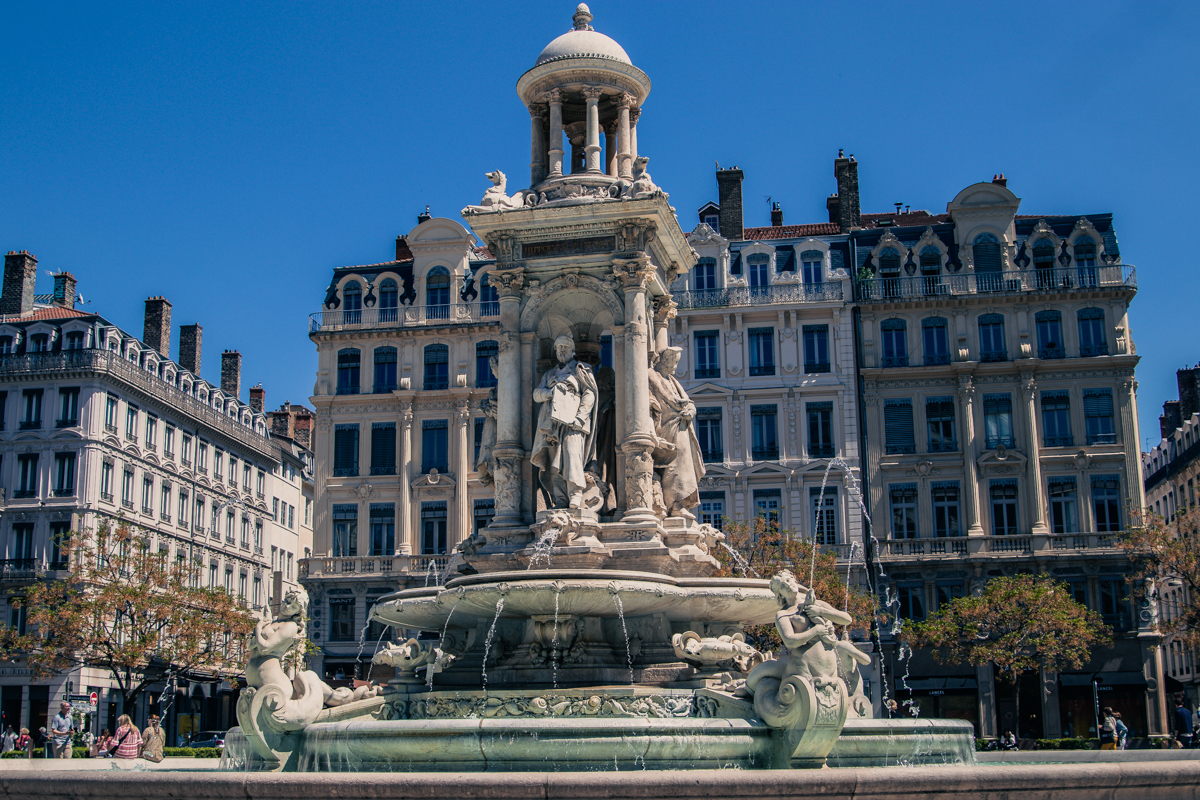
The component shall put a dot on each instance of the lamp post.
(1096, 700)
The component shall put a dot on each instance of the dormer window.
(1085, 260)
(389, 300)
(437, 293)
(39, 343)
(73, 340)
(7, 345)
(713, 221)
(704, 275)
(489, 298)
(1043, 263)
(352, 302)
(757, 265)
(811, 269)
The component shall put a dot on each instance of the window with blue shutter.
(345, 450)
(898, 426)
(991, 338)
(383, 448)
(1056, 419)
(895, 343)
(903, 497)
(437, 367)
(1049, 333)
(937, 342)
(820, 429)
(1098, 416)
(708, 359)
(816, 348)
(348, 371)
(385, 370)
(765, 446)
(708, 432)
(383, 529)
(762, 351)
(939, 418)
(1106, 502)
(997, 420)
(1092, 338)
(435, 435)
(345, 529)
(1004, 506)
(944, 496)
(484, 351)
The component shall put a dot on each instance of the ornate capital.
(538, 110)
(633, 273)
(1028, 384)
(508, 282)
(664, 309)
(592, 92)
(406, 416)
(966, 388)
(554, 96)
(464, 412)
(610, 128)
(625, 100)
(634, 113)
(501, 244)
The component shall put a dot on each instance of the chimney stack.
(1170, 419)
(231, 373)
(258, 396)
(424, 217)
(190, 337)
(1000, 180)
(157, 330)
(302, 431)
(833, 206)
(776, 216)
(1189, 393)
(20, 275)
(846, 172)
(64, 290)
(729, 198)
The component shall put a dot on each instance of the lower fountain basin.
(605, 594)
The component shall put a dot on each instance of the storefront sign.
(568, 247)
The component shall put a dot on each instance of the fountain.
(584, 627)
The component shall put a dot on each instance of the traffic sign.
(93, 699)
(80, 698)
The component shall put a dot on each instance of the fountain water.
(624, 630)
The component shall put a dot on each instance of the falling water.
(628, 652)
(554, 646)
(487, 645)
(740, 560)
(429, 573)
(451, 562)
(362, 644)
(445, 627)
(542, 547)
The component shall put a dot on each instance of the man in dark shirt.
(1183, 724)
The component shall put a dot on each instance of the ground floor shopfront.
(1126, 677)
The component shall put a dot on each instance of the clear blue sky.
(228, 155)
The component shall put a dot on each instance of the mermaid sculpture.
(806, 693)
(273, 705)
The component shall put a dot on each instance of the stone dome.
(583, 42)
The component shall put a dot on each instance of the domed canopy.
(583, 42)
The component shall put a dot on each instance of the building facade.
(96, 426)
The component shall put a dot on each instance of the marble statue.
(565, 441)
(642, 187)
(679, 462)
(722, 652)
(606, 435)
(495, 197)
(407, 658)
(487, 443)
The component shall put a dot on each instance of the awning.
(1173, 686)
(1104, 679)
(932, 684)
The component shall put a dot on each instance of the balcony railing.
(110, 364)
(760, 295)
(404, 317)
(16, 569)
(431, 566)
(1024, 544)
(885, 290)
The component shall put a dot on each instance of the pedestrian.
(1122, 732)
(154, 738)
(25, 741)
(1108, 731)
(103, 745)
(10, 740)
(128, 742)
(43, 741)
(61, 728)
(1008, 741)
(1183, 724)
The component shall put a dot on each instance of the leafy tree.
(1163, 551)
(1017, 624)
(136, 613)
(767, 550)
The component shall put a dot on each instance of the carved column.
(537, 143)
(1036, 493)
(404, 470)
(634, 273)
(634, 113)
(619, 406)
(966, 391)
(664, 311)
(592, 149)
(625, 161)
(508, 452)
(1129, 433)
(610, 149)
(462, 467)
(555, 99)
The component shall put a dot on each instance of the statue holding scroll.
(565, 439)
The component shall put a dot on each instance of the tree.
(1169, 551)
(138, 614)
(1018, 624)
(766, 550)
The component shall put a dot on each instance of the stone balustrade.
(1030, 281)
(419, 566)
(829, 291)
(404, 317)
(1025, 544)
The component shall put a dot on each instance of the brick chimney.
(1189, 393)
(157, 330)
(846, 172)
(833, 206)
(190, 337)
(20, 275)
(1170, 419)
(302, 430)
(258, 396)
(776, 216)
(424, 217)
(729, 198)
(64, 290)
(231, 373)
(1000, 180)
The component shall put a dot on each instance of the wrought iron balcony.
(1102, 438)
(768, 369)
(713, 456)
(893, 361)
(937, 359)
(822, 366)
(29, 425)
(383, 470)
(778, 294)
(939, 446)
(821, 451)
(345, 472)
(900, 449)
(765, 453)
(1052, 351)
(1031, 281)
(708, 372)
(995, 441)
(16, 569)
(1059, 441)
(993, 357)
(405, 317)
(69, 422)
(1087, 350)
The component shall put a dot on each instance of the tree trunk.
(1017, 705)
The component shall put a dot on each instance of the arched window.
(437, 367)
(889, 271)
(1092, 338)
(489, 298)
(989, 263)
(704, 275)
(811, 269)
(895, 343)
(758, 264)
(437, 293)
(1085, 260)
(385, 370)
(348, 365)
(931, 270)
(389, 300)
(1043, 263)
(483, 367)
(352, 303)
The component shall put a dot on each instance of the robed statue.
(565, 440)
(678, 460)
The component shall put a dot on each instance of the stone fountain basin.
(583, 593)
